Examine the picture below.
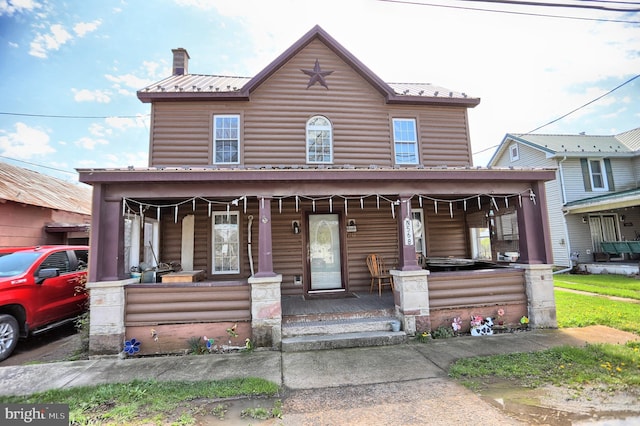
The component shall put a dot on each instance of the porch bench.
(620, 247)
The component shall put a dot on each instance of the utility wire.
(567, 5)
(567, 114)
(478, 9)
(39, 165)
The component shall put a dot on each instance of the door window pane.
(226, 243)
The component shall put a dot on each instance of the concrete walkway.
(402, 384)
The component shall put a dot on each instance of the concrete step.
(332, 316)
(342, 340)
(337, 326)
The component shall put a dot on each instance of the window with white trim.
(598, 175)
(514, 152)
(319, 140)
(226, 243)
(405, 141)
(226, 139)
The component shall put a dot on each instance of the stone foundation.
(266, 311)
(106, 318)
(539, 287)
(412, 300)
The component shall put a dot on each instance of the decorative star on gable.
(317, 75)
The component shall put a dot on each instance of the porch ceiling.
(604, 202)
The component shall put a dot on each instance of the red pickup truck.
(40, 288)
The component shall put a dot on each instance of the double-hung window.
(405, 140)
(226, 139)
(598, 175)
(226, 243)
(319, 140)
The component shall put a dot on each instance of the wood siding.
(153, 304)
(273, 122)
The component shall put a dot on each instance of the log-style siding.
(482, 287)
(273, 121)
(153, 304)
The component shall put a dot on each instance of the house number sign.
(408, 232)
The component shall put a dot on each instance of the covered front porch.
(265, 239)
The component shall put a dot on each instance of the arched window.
(319, 140)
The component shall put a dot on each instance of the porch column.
(106, 326)
(411, 297)
(266, 311)
(265, 250)
(540, 296)
(107, 237)
(407, 258)
(533, 228)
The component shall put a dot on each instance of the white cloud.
(83, 28)
(85, 95)
(129, 80)
(124, 123)
(99, 130)
(25, 142)
(9, 7)
(43, 43)
(90, 143)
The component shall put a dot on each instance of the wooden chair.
(379, 273)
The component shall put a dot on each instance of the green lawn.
(151, 402)
(612, 366)
(611, 285)
(578, 310)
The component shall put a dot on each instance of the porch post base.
(540, 297)
(411, 297)
(266, 311)
(106, 316)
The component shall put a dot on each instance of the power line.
(73, 116)
(39, 165)
(560, 5)
(567, 114)
(478, 9)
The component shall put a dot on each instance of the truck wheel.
(9, 333)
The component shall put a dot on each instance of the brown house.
(271, 191)
(37, 209)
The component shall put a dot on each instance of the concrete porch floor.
(356, 302)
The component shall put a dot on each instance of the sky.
(69, 70)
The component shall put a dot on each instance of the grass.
(605, 284)
(611, 366)
(578, 310)
(601, 364)
(148, 402)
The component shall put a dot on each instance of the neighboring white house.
(595, 197)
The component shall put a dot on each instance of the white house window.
(405, 141)
(226, 243)
(319, 140)
(418, 231)
(226, 139)
(132, 240)
(598, 175)
(514, 152)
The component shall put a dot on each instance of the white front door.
(324, 252)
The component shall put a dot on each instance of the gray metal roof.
(559, 144)
(30, 187)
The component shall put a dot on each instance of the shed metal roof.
(25, 186)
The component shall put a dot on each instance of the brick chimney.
(180, 61)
